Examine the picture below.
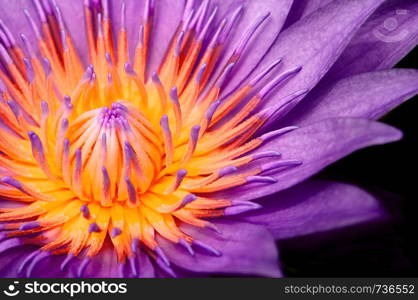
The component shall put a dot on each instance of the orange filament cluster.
(105, 152)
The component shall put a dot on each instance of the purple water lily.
(176, 138)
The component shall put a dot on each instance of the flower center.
(116, 150)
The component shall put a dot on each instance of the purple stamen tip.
(280, 164)
(85, 210)
(78, 159)
(265, 72)
(29, 70)
(5, 54)
(37, 258)
(82, 266)
(275, 82)
(166, 268)
(164, 123)
(128, 68)
(260, 179)
(36, 142)
(141, 36)
(156, 78)
(209, 249)
(239, 207)
(134, 245)
(115, 232)
(66, 261)
(132, 264)
(200, 73)
(14, 107)
(213, 227)
(194, 133)
(44, 107)
(30, 225)
(66, 146)
(174, 95)
(188, 199)
(106, 180)
(47, 65)
(187, 246)
(212, 109)
(269, 135)
(181, 173)
(32, 24)
(131, 191)
(4, 39)
(108, 58)
(227, 170)
(94, 228)
(179, 44)
(160, 253)
(88, 72)
(11, 181)
(63, 36)
(64, 124)
(265, 155)
(225, 74)
(67, 99)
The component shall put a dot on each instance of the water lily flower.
(177, 138)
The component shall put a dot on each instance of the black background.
(387, 249)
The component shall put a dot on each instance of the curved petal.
(105, 264)
(390, 34)
(314, 45)
(245, 249)
(303, 8)
(11, 260)
(263, 38)
(316, 146)
(368, 95)
(14, 18)
(316, 206)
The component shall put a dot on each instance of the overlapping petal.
(387, 36)
(316, 206)
(368, 95)
(314, 44)
(245, 249)
(316, 146)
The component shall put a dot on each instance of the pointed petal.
(263, 38)
(368, 95)
(317, 146)
(245, 249)
(390, 34)
(314, 45)
(316, 206)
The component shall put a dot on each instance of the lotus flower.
(177, 138)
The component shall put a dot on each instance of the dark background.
(386, 249)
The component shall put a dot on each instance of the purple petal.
(105, 264)
(264, 37)
(315, 45)
(368, 95)
(11, 260)
(316, 206)
(317, 146)
(303, 8)
(390, 34)
(245, 249)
